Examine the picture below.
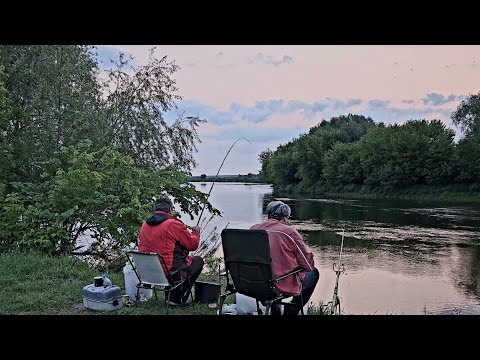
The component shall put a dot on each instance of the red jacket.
(288, 251)
(170, 237)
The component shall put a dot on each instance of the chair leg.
(301, 304)
(155, 292)
(259, 311)
(137, 296)
(168, 301)
(190, 287)
(222, 300)
(191, 296)
(267, 308)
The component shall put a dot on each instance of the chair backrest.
(148, 267)
(247, 259)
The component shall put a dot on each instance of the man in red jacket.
(167, 235)
(288, 252)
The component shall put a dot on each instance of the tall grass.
(319, 309)
(33, 283)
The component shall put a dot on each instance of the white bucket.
(131, 281)
(247, 305)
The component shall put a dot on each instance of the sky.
(272, 94)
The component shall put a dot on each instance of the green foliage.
(81, 156)
(300, 162)
(4, 108)
(308, 154)
(58, 101)
(55, 101)
(283, 168)
(348, 128)
(100, 192)
(6, 158)
(467, 160)
(10, 217)
(418, 152)
(467, 116)
(349, 152)
(265, 172)
(319, 309)
(342, 165)
(134, 107)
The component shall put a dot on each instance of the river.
(401, 257)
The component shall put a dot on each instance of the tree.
(100, 193)
(467, 116)
(203, 176)
(284, 169)
(5, 149)
(59, 100)
(398, 156)
(341, 165)
(134, 113)
(468, 161)
(265, 171)
(347, 128)
(55, 99)
(82, 155)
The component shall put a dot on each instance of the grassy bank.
(454, 194)
(32, 283)
(35, 284)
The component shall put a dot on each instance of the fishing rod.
(338, 268)
(216, 176)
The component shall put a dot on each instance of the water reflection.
(401, 257)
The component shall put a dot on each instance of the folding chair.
(152, 272)
(248, 263)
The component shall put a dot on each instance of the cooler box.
(102, 298)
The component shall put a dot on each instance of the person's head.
(164, 204)
(278, 210)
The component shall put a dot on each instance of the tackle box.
(102, 298)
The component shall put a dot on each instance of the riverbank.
(452, 194)
(36, 284)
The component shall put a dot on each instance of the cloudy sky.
(271, 94)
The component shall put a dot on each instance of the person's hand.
(196, 228)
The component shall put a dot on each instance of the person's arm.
(303, 254)
(189, 240)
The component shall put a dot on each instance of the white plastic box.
(102, 298)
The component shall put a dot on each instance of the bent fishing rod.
(216, 176)
(338, 268)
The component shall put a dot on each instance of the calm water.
(401, 257)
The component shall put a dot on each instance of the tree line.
(353, 152)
